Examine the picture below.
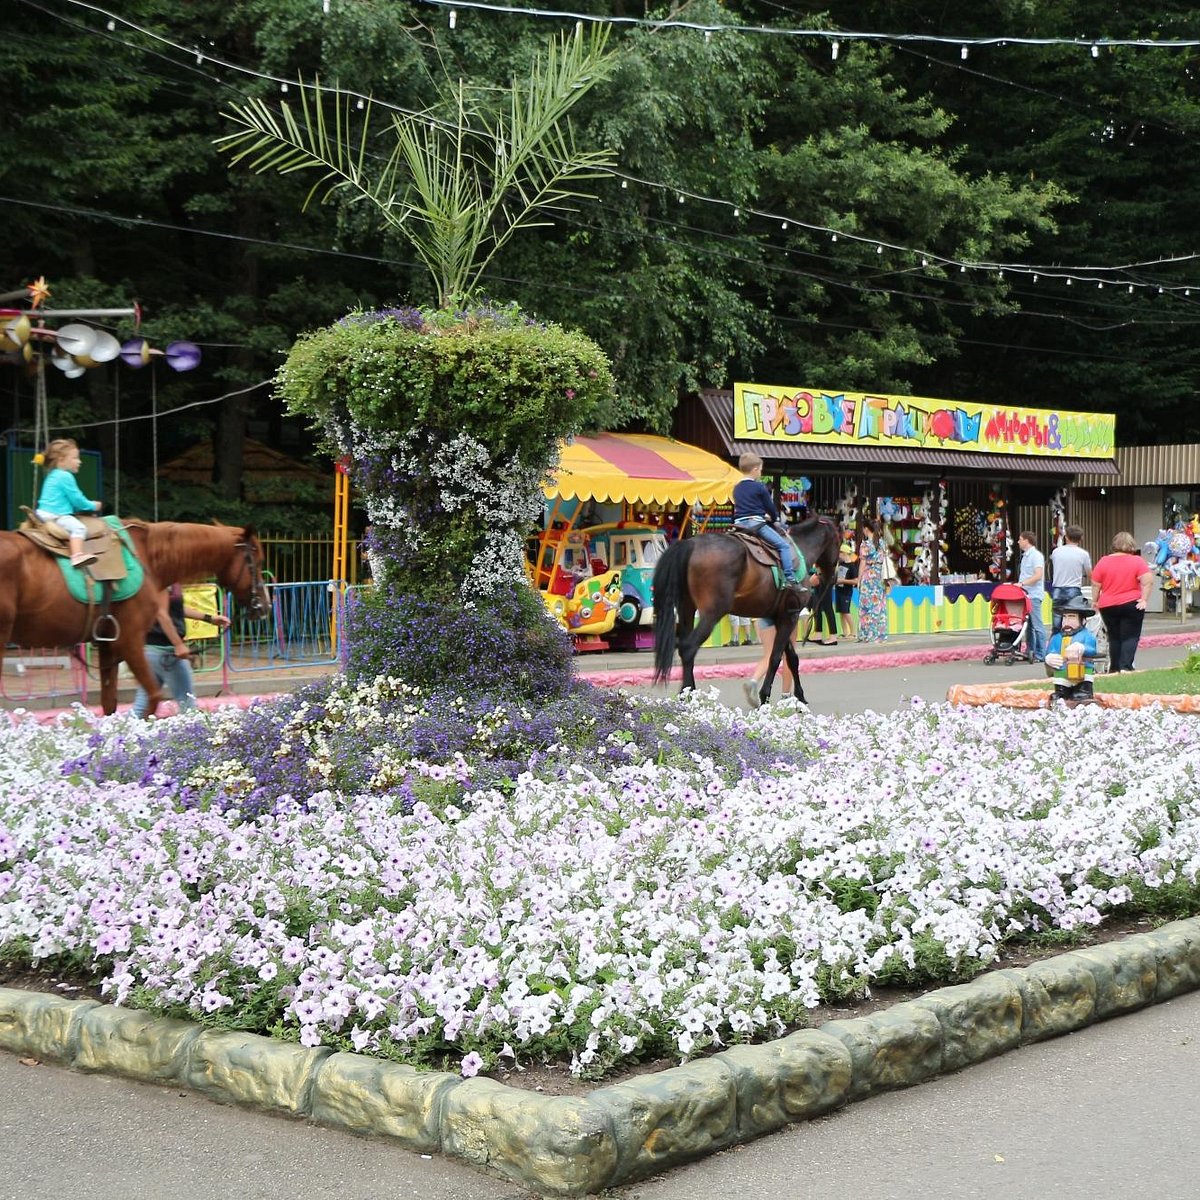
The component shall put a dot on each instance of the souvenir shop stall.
(952, 483)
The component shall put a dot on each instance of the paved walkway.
(634, 668)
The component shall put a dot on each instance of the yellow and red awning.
(640, 468)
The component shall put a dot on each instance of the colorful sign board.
(763, 413)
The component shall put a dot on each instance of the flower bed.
(425, 878)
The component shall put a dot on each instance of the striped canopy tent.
(640, 468)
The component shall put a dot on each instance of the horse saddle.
(101, 540)
(759, 550)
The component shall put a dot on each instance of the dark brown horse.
(37, 610)
(713, 575)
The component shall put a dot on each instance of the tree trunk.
(230, 435)
(229, 439)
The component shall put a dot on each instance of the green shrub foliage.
(451, 421)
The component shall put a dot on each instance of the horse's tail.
(670, 578)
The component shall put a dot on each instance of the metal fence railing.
(32, 676)
(302, 629)
(297, 559)
(305, 628)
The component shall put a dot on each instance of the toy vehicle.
(579, 590)
(599, 577)
(633, 550)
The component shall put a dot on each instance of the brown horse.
(37, 610)
(714, 574)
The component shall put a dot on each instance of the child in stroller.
(1011, 624)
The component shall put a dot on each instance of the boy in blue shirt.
(754, 510)
(61, 497)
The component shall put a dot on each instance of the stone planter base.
(1014, 697)
(580, 1145)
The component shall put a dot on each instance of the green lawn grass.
(1163, 681)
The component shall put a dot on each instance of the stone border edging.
(580, 1145)
(977, 694)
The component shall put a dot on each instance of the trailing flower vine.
(451, 420)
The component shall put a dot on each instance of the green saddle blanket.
(79, 583)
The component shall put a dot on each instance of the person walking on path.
(741, 631)
(753, 685)
(168, 654)
(823, 629)
(847, 581)
(1032, 577)
(1070, 567)
(1122, 581)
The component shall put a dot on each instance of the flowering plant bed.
(436, 880)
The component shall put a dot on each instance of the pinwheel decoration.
(75, 346)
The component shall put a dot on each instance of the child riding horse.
(714, 574)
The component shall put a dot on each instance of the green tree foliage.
(1114, 131)
(685, 293)
(1044, 155)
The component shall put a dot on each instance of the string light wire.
(1084, 274)
(1091, 44)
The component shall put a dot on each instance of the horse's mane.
(181, 550)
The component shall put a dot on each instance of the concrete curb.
(1012, 696)
(580, 1145)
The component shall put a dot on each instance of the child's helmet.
(1079, 606)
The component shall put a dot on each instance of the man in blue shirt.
(1032, 577)
(754, 510)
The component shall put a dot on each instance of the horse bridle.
(250, 563)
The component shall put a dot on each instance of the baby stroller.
(1100, 633)
(1011, 625)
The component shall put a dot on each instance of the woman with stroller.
(1121, 584)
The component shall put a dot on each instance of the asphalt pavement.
(854, 678)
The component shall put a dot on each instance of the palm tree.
(458, 186)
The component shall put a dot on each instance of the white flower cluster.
(502, 498)
(601, 910)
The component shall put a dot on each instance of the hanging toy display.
(933, 523)
(971, 535)
(1176, 555)
(999, 537)
(943, 511)
(888, 511)
(1058, 517)
(848, 509)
